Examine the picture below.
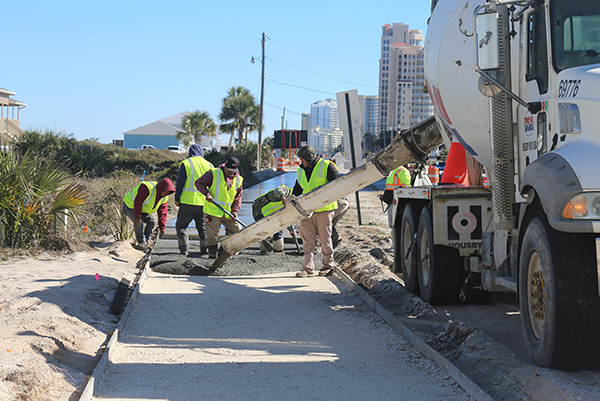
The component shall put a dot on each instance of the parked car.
(178, 149)
(147, 147)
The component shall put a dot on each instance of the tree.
(239, 113)
(196, 124)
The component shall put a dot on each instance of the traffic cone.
(456, 171)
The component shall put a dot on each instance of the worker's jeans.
(185, 215)
(143, 232)
(317, 224)
(213, 226)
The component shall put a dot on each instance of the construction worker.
(189, 200)
(223, 186)
(399, 177)
(267, 204)
(140, 204)
(313, 173)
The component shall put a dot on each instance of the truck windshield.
(576, 32)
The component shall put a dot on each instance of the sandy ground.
(55, 317)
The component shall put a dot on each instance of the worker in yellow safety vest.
(313, 173)
(139, 205)
(189, 199)
(399, 177)
(267, 204)
(222, 186)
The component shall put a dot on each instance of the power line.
(323, 76)
(286, 110)
(301, 87)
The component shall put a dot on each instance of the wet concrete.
(249, 262)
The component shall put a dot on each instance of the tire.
(405, 247)
(437, 265)
(558, 276)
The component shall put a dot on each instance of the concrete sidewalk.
(271, 337)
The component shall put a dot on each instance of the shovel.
(228, 214)
(293, 234)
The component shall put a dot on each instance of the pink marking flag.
(97, 277)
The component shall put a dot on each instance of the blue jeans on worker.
(143, 232)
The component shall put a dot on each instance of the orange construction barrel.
(434, 174)
(281, 164)
(486, 182)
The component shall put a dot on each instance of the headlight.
(569, 118)
(583, 207)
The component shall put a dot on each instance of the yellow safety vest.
(399, 177)
(272, 207)
(195, 167)
(221, 195)
(318, 178)
(150, 205)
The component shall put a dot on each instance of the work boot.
(202, 246)
(278, 245)
(212, 252)
(142, 247)
(183, 243)
(265, 247)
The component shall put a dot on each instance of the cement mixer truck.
(517, 83)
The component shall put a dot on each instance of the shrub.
(34, 196)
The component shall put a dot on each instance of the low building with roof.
(163, 133)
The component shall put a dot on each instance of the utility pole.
(262, 101)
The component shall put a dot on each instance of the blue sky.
(96, 69)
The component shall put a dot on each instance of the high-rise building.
(305, 123)
(402, 98)
(324, 113)
(369, 108)
(325, 141)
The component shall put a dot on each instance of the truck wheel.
(405, 248)
(558, 296)
(437, 265)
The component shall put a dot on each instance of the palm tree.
(196, 124)
(240, 113)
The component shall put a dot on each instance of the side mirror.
(487, 41)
